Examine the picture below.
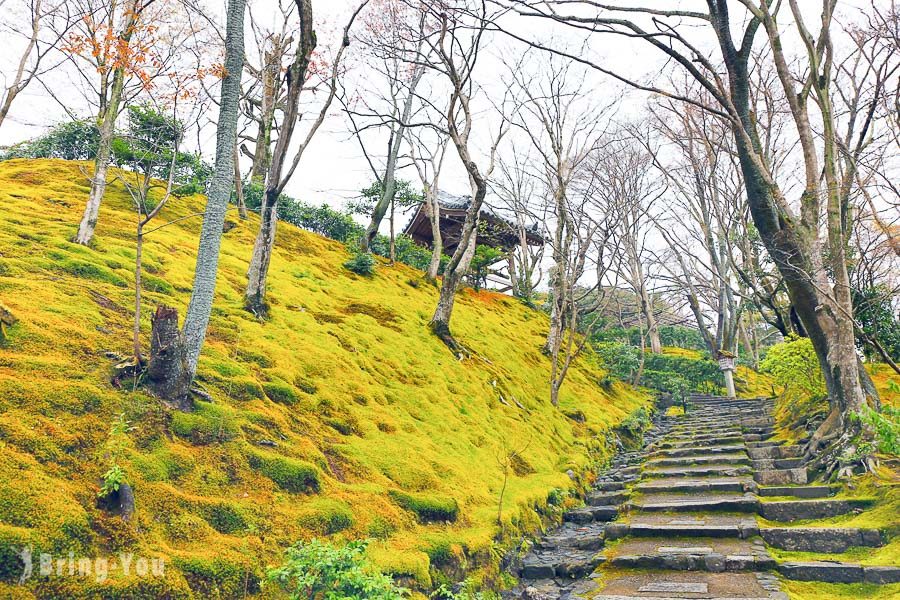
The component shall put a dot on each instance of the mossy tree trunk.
(168, 374)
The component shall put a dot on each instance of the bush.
(428, 509)
(621, 360)
(75, 140)
(362, 263)
(319, 570)
(794, 367)
(886, 426)
(289, 474)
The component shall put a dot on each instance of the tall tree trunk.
(437, 245)
(107, 122)
(453, 274)
(200, 307)
(239, 187)
(255, 296)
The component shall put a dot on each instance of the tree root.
(442, 330)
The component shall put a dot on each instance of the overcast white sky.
(333, 170)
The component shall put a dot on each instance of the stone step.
(701, 459)
(764, 444)
(770, 464)
(821, 539)
(701, 450)
(573, 535)
(607, 498)
(695, 502)
(775, 452)
(673, 585)
(696, 554)
(700, 471)
(838, 572)
(569, 564)
(695, 443)
(796, 476)
(798, 491)
(682, 526)
(706, 484)
(590, 514)
(609, 486)
(756, 437)
(796, 510)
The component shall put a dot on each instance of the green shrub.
(75, 140)
(794, 367)
(886, 426)
(281, 392)
(428, 509)
(319, 570)
(362, 263)
(289, 474)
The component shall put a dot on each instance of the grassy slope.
(367, 396)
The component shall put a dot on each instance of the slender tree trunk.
(239, 187)
(393, 251)
(200, 307)
(255, 296)
(108, 116)
(437, 245)
(440, 321)
(137, 289)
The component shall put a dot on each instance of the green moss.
(327, 517)
(88, 270)
(208, 424)
(155, 284)
(218, 578)
(427, 508)
(281, 392)
(225, 517)
(289, 474)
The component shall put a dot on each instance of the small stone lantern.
(726, 364)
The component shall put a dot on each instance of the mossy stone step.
(775, 452)
(798, 491)
(681, 526)
(695, 502)
(693, 554)
(797, 475)
(701, 450)
(797, 510)
(607, 498)
(673, 585)
(700, 471)
(703, 459)
(590, 514)
(696, 485)
(768, 464)
(695, 443)
(838, 572)
(821, 539)
(567, 564)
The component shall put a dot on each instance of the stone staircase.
(679, 518)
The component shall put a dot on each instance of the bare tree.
(48, 23)
(456, 43)
(276, 179)
(812, 259)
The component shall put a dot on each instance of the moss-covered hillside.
(340, 416)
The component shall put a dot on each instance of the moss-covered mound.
(341, 415)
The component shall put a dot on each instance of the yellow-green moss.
(362, 391)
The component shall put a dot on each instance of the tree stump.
(167, 372)
(7, 319)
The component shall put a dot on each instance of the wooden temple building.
(495, 230)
